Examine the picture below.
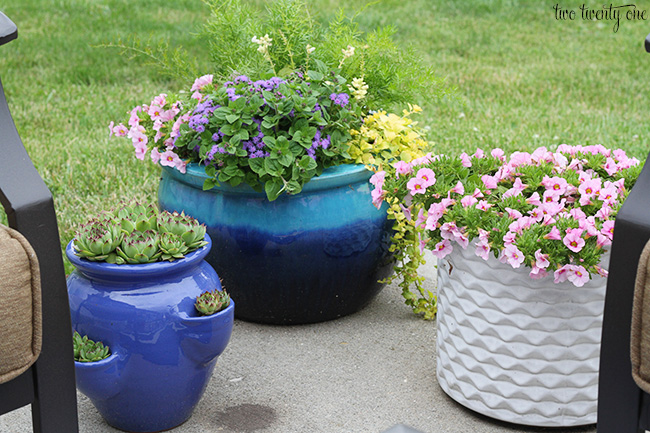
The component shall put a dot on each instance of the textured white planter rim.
(516, 349)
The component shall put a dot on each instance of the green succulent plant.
(87, 350)
(134, 233)
(135, 216)
(139, 247)
(209, 303)
(172, 246)
(98, 239)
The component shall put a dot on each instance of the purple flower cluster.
(200, 116)
(254, 86)
(255, 146)
(341, 99)
(317, 142)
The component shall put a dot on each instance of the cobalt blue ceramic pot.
(162, 351)
(311, 257)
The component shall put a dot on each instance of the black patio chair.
(622, 406)
(49, 384)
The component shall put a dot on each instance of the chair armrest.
(8, 30)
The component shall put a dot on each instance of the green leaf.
(273, 187)
(257, 165)
(232, 118)
(209, 184)
(307, 163)
(286, 159)
(293, 187)
(272, 166)
(314, 75)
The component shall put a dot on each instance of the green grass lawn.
(523, 80)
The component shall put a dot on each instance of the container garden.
(314, 256)
(522, 246)
(162, 351)
(516, 349)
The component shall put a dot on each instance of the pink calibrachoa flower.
(588, 190)
(573, 240)
(482, 249)
(416, 186)
(377, 195)
(517, 188)
(403, 168)
(171, 159)
(608, 229)
(498, 154)
(561, 274)
(554, 234)
(490, 182)
(458, 189)
(201, 82)
(483, 205)
(556, 184)
(534, 199)
(577, 274)
(119, 130)
(479, 154)
(513, 213)
(442, 249)
(155, 155)
(378, 179)
(140, 149)
(513, 255)
(465, 159)
(468, 201)
(427, 176)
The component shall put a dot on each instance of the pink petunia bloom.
(602, 241)
(551, 196)
(608, 195)
(155, 112)
(406, 211)
(513, 213)
(170, 159)
(465, 160)
(160, 100)
(424, 159)
(520, 158)
(140, 149)
(534, 199)
(402, 167)
(555, 183)
(155, 155)
(517, 188)
(560, 161)
(541, 260)
(441, 249)
(482, 249)
(416, 186)
(119, 130)
(578, 275)
(378, 179)
(197, 95)
(536, 215)
(449, 230)
(479, 154)
(427, 176)
(483, 205)
(561, 275)
(134, 119)
(554, 234)
(610, 166)
(498, 154)
(588, 224)
(377, 195)
(604, 212)
(608, 229)
(458, 189)
(468, 201)
(573, 240)
(509, 238)
(537, 273)
(513, 255)
(201, 82)
(490, 182)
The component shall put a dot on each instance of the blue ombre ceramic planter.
(162, 352)
(306, 258)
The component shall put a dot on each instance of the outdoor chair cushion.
(20, 304)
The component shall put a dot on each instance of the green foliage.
(135, 234)
(212, 302)
(86, 350)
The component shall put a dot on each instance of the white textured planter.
(516, 349)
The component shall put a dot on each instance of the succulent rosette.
(212, 302)
(134, 233)
(552, 211)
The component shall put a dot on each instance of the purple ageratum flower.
(341, 99)
(232, 95)
(257, 154)
(197, 122)
(312, 153)
(242, 79)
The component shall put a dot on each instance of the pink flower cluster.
(573, 206)
(148, 125)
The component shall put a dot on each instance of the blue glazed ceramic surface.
(162, 352)
(306, 258)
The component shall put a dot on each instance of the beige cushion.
(20, 305)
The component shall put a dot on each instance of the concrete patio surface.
(359, 374)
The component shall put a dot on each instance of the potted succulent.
(275, 161)
(142, 286)
(522, 246)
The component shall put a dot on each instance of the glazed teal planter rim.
(331, 177)
(139, 271)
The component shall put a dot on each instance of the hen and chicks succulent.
(134, 233)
